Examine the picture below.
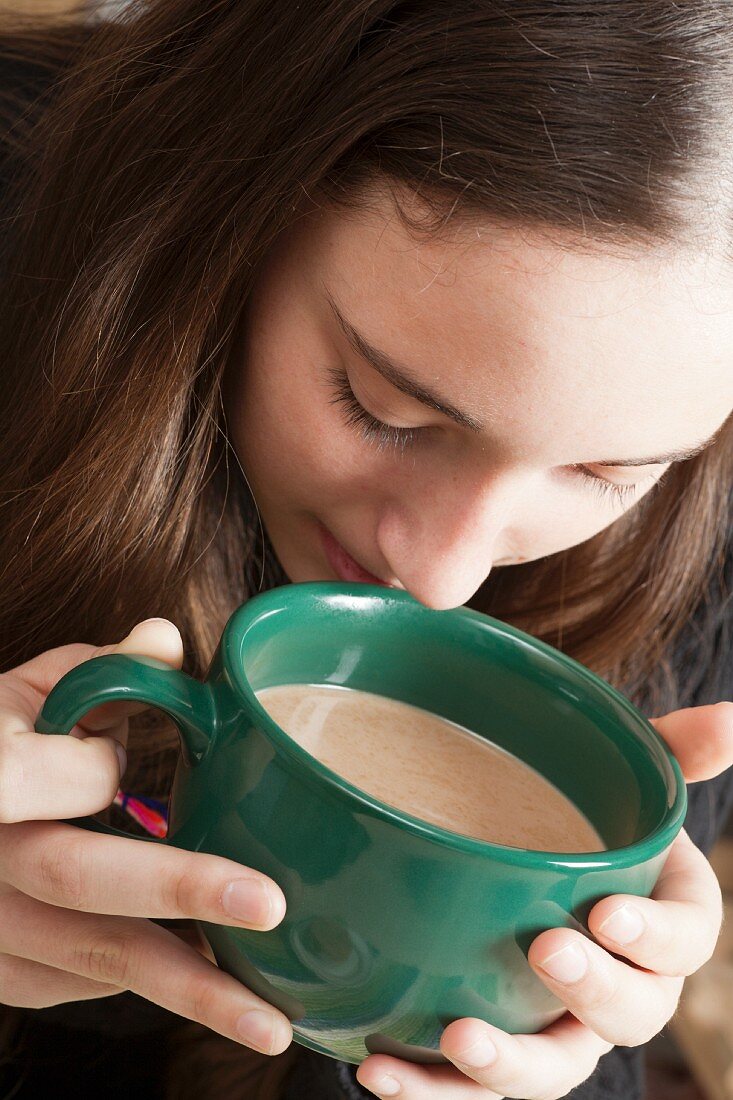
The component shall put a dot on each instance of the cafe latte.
(429, 767)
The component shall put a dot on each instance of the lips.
(342, 562)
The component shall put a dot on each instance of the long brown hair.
(153, 161)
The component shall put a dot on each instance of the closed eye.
(371, 429)
(377, 433)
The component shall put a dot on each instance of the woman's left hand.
(610, 1002)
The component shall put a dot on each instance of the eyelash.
(618, 493)
(371, 429)
(387, 435)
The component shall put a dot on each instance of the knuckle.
(61, 874)
(639, 1032)
(601, 996)
(606, 1012)
(181, 889)
(661, 952)
(202, 998)
(28, 984)
(108, 956)
(668, 952)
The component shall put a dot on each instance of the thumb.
(150, 638)
(701, 738)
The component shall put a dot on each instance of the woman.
(436, 294)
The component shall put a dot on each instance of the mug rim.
(245, 617)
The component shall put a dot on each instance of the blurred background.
(692, 1059)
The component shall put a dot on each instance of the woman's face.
(573, 379)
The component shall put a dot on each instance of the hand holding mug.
(74, 905)
(610, 1003)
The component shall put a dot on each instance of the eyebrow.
(401, 378)
(398, 375)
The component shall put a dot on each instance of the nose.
(440, 538)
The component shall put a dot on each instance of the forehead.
(634, 348)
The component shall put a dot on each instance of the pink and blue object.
(148, 812)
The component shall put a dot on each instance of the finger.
(28, 685)
(381, 1075)
(70, 867)
(47, 778)
(701, 738)
(25, 983)
(624, 1005)
(132, 953)
(675, 931)
(534, 1067)
(80, 774)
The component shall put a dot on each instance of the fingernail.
(247, 899)
(143, 622)
(479, 1054)
(387, 1086)
(257, 1029)
(624, 925)
(567, 965)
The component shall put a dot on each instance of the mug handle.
(188, 702)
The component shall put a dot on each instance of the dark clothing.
(129, 1032)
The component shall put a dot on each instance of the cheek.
(562, 519)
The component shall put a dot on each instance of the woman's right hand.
(74, 904)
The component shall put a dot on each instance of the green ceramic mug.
(394, 926)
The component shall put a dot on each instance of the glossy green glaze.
(394, 927)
